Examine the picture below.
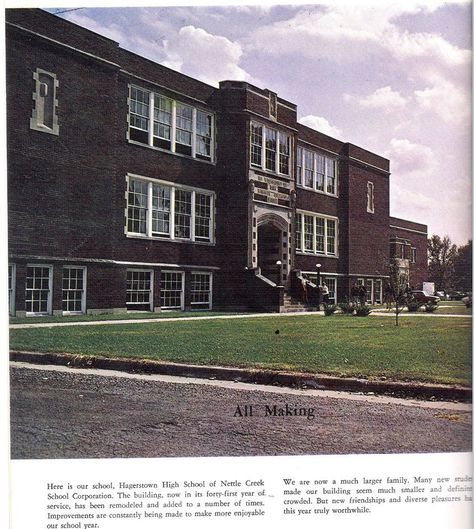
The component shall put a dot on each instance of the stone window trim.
(370, 197)
(37, 120)
(174, 188)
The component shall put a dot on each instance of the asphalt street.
(59, 412)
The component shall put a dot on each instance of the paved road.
(58, 412)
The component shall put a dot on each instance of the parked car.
(467, 300)
(442, 295)
(425, 299)
(457, 296)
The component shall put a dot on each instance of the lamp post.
(318, 274)
(278, 263)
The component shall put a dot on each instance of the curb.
(418, 390)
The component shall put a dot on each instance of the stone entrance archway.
(270, 251)
(271, 234)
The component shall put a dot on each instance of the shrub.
(413, 305)
(430, 307)
(362, 310)
(346, 308)
(329, 310)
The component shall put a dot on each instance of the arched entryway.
(269, 251)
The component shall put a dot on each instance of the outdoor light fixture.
(318, 272)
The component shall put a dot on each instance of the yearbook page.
(239, 265)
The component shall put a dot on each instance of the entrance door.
(269, 252)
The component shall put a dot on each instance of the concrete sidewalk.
(222, 317)
(267, 377)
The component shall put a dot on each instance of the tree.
(441, 258)
(463, 268)
(397, 287)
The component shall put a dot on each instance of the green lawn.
(427, 349)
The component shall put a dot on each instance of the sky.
(391, 77)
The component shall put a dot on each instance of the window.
(316, 234)
(378, 291)
(74, 293)
(201, 291)
(11, 289)
(298, 231)
(413, 255)
(370, 198)
(172, 290)
(44, 116)
(182, 214)
(370, 291)
(160, 210)
(299, 166)
(331, 283)
(308, 233)
(269, 149)
(316, 171)
(177, 127)
(139, 289)
(38, 289)
(308, 169)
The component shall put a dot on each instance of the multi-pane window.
(137, 206)
(202, 227)
(162, 120)
(256, 136)
(184, 128)
(182, 214)
(172, 290)
(177, 127)
(370, 291)
(139, 289)
(308, 169)
(139, 114)
(308, 233)
(316, 234)
(370, 197)
(378, 291)
(11, 289)
(201, 291)
(298, 231)
(316, 171)
(166, 211)
(269, 149)
(299, 165)
(161, 209)
(320, 234)
(38, 289)
(284, 153)
(203, 135)
(331, 283)
(73, 291)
